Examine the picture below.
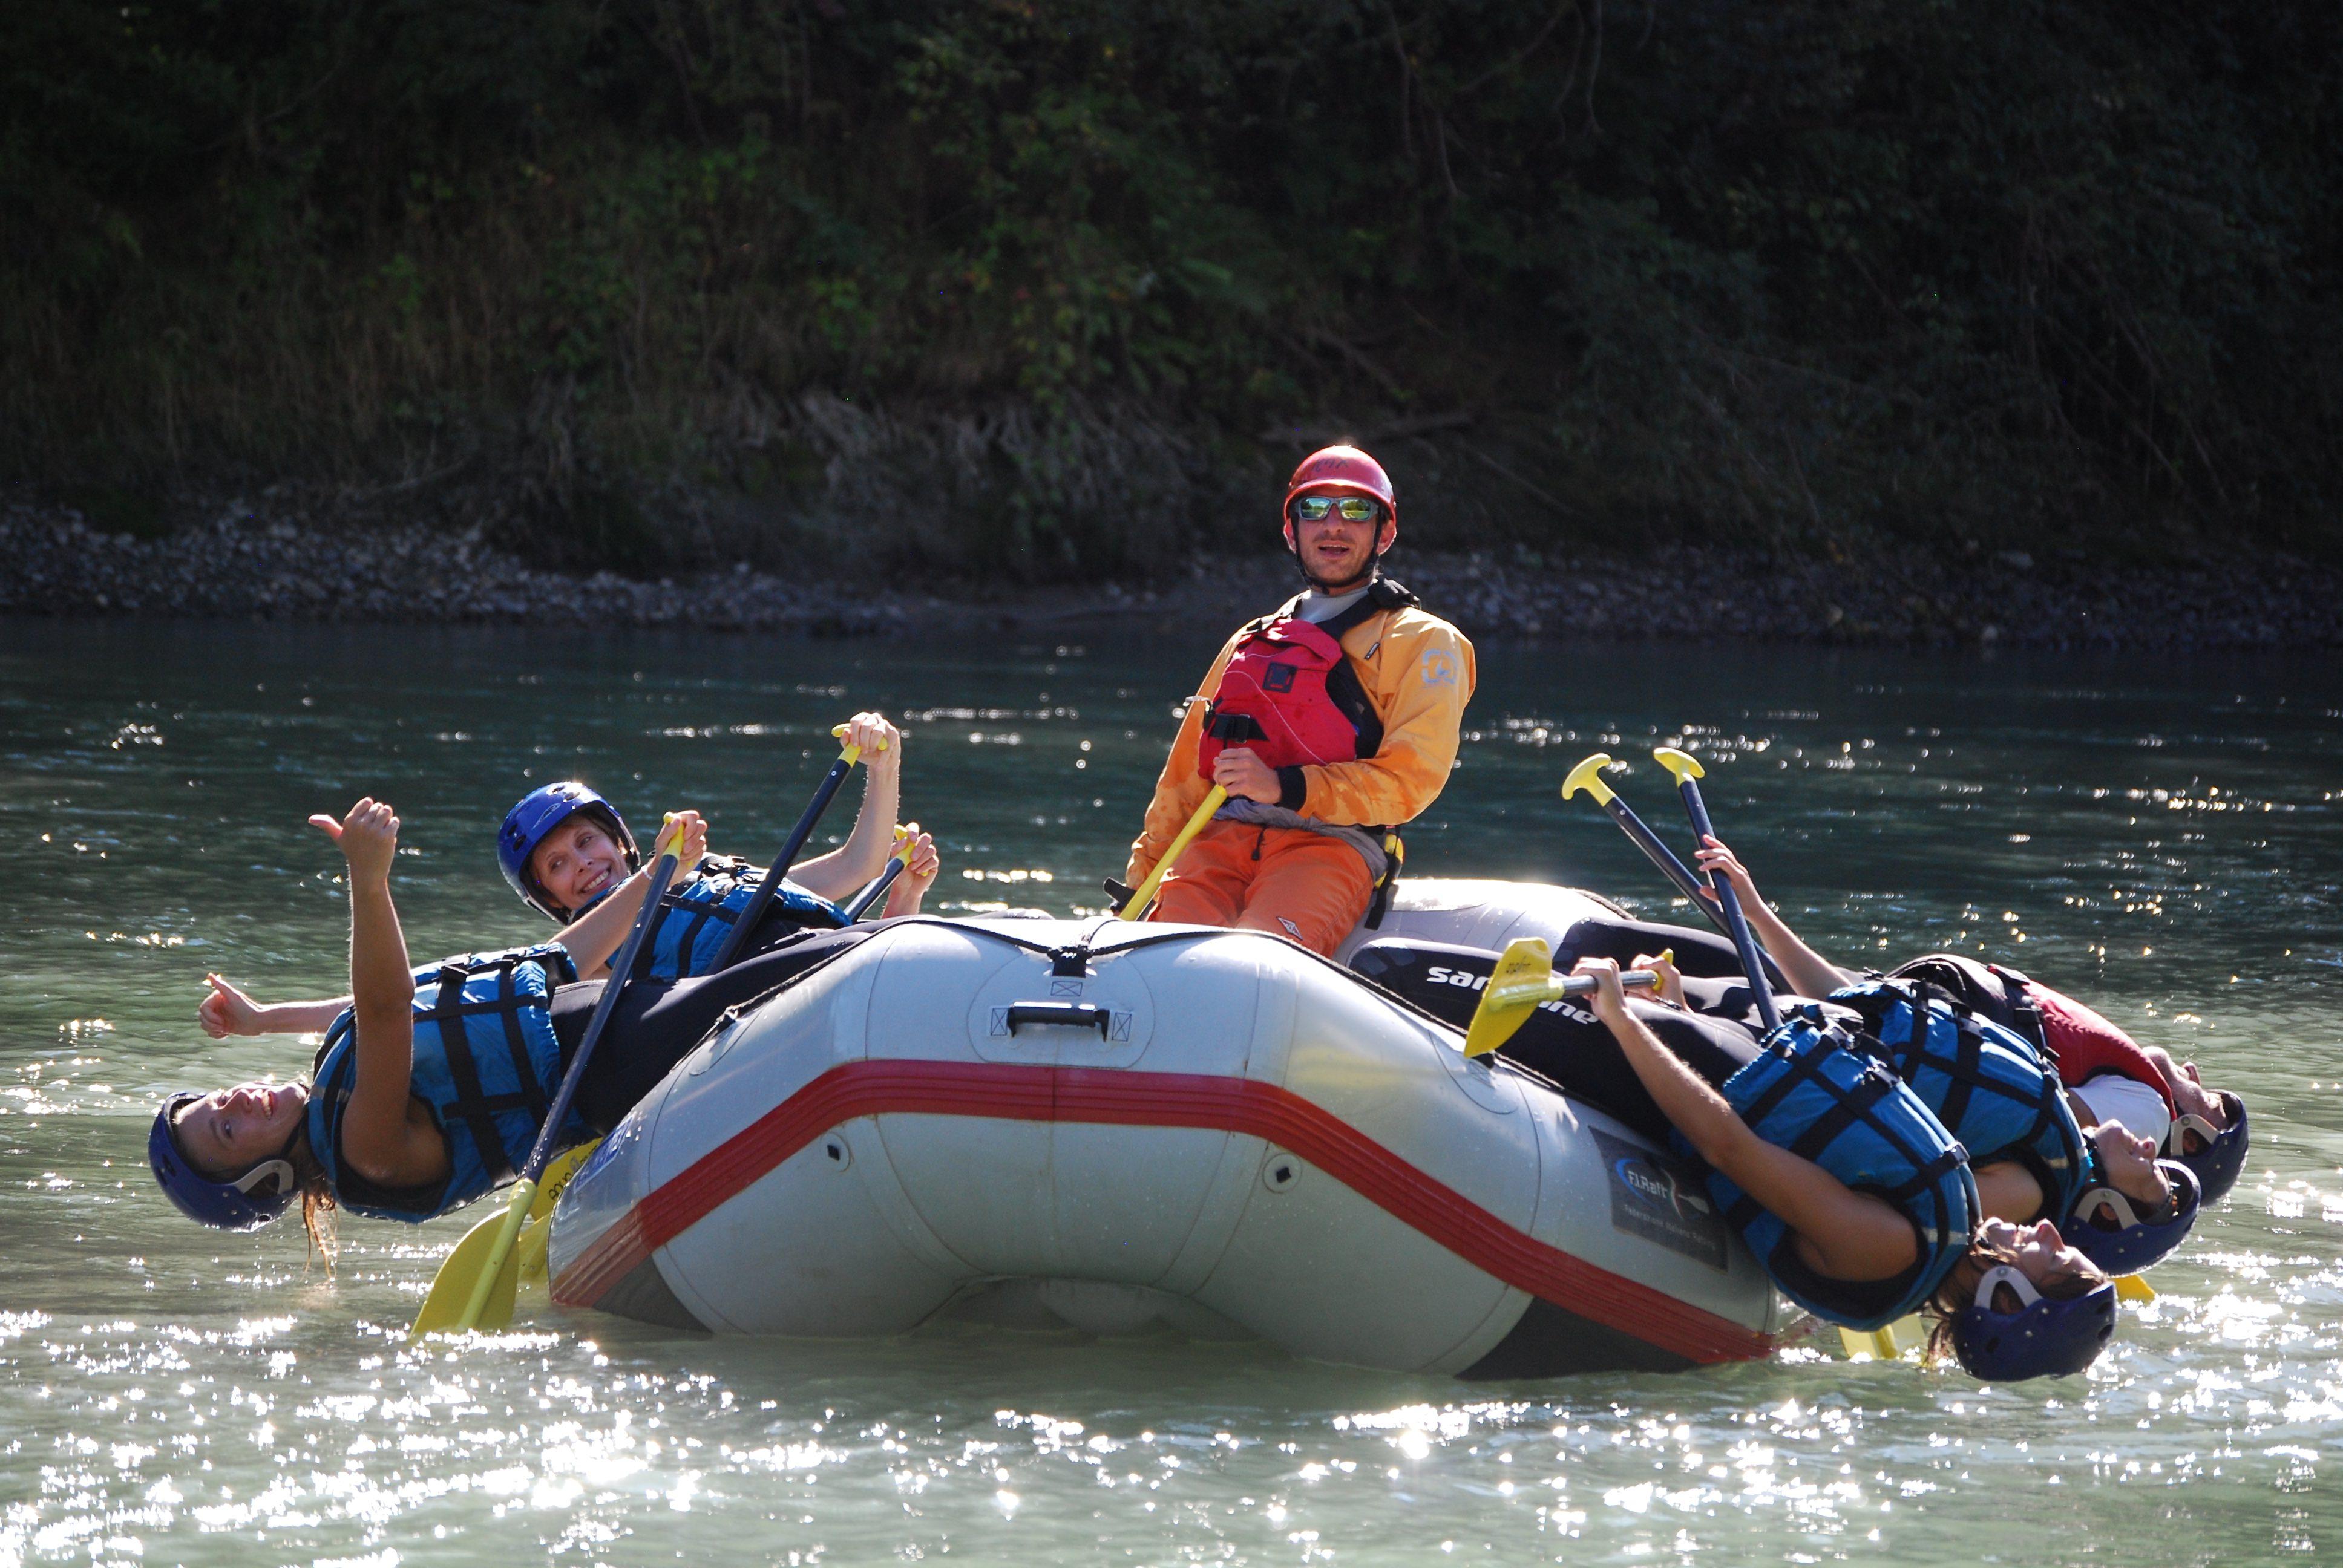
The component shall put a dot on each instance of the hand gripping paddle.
(751, 917)
(1524, 981)
(1687, 771)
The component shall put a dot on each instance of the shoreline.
(247, 565)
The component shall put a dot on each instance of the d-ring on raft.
(1107, 1125)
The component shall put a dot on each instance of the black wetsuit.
(1564, 1042)
(659, 1022)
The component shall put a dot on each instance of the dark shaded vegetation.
(1045, 289)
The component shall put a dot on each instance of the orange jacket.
(1418, 671)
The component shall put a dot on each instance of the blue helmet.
(2042, 1339)
(245, 1204)
(2220, 1156)
(539, 812)
(2105, 1227)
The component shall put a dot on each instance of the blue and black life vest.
(695, 918)
(1813, 1092)
(1987, 1083)
(1990, 990)
(486, 1062)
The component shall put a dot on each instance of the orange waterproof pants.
(1284, 880)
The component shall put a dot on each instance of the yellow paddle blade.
(538, 1233)
(1523, 979)
(1889, 1343)
(531, 1254)
(1856, 1344)
(558, 1172)
(1683, 764)
(2134, 1288)
(451, 1289)
(1588, 776)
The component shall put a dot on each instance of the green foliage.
(1799, 271)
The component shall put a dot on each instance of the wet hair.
(317, 1210)
(1958, 1291)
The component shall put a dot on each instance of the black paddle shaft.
(738, 936)
(621, 966)
(1676, 870)
(1735, 925)
(875, 891)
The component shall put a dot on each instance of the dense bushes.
(1037, 285)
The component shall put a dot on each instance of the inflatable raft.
(1108, 1125)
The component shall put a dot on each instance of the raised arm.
(845, 870)
(225, 1011)
(378, 1136)
(1808, 972)
(1843, 1233)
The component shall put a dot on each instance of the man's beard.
(1364, 576)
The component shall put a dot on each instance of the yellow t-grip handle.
(1683, 764)
(1588, 776)
(850, 753)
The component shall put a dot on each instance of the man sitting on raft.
(1860, 1205)
(1329, 724)
(419, 1102)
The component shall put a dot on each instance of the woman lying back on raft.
(432, 1086)
(2116, 1079)
(1858, 1203)
(2030, 1152)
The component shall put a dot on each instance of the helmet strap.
(278, 1165)
(2186, 1124)
(2008, 1274)
(280, 1168)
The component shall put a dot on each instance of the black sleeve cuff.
(1293, 789)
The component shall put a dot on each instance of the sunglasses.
(1349, 508)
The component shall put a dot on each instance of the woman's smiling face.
(577, 862)
(230, 1130)
(2040, 1251)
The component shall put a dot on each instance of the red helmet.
(1343, 469)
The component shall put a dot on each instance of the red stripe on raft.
(1105, 1096)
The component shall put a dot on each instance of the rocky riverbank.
(248, 564)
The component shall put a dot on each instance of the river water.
(2165, 839)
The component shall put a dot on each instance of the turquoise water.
(2162, 838)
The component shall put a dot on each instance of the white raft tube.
(1210, 1128)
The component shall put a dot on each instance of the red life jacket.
(1290, 695)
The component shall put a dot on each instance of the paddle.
(1687, 771)
(475, 1273)
(737, 937)
(1524, 981)
(885, 879)
(1588, 776)
(1215, 799)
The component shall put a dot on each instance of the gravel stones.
(246, 566)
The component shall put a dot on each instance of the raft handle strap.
(1070, 1014)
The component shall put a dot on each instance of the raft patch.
(1659, 1200)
